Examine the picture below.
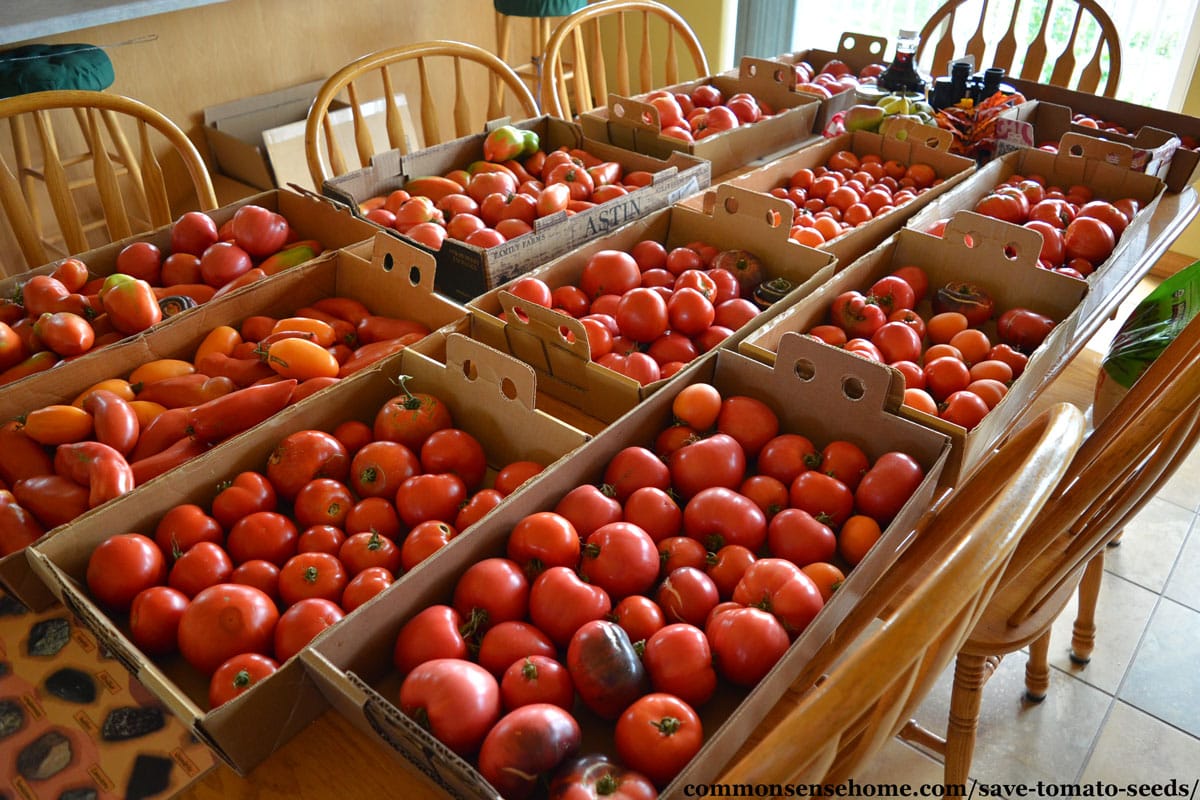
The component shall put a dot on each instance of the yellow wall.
(714, 22)
(1189, 242)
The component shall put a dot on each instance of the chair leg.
(970, 674)
(1037, 668)
(1083, 634)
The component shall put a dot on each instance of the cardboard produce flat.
(1185, 164)
(488, 394)
(466, 271)
(817, 391)
(556, 345)
(634, 124)
(397, 281)
(951, 169)
(1116, 276)
(995, 255)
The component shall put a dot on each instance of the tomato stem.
(667, 725)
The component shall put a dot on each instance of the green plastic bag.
(44, 67)
(538, 8)
(1150, 327)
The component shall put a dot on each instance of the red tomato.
(1023, 328)
(787, 455)
(560, 602)
(780, 587)
(687, 595)
(378, 468)
(887, 485)
(222, 262)
(154, 619)
(429, 497)
(799, 537)
(609, 272)
(726, 567)
(632, 468)
(658, 735)
(268, 535)
(748, 420)
(204, 564)
(248, 492)
(424, 540)
(491, 591)
(313, 574)
(121, 567)
(680, 662)
(457, 700)
(1089, 238)
(261, 574)
(595, 777)
(655, 512)
(435, 632)
(322, 501)
(718, 516)
(639, 616)
(525, 746)
(304, 455)
(301, 623)
(823, 496)
(845, 461)
(193, 233)
(223, 621)
(746, 643)
(184, 526)
(537, 679)
(717, 460)
(237, 675)
(620, 558)
(259, 231)
(455, 451)
(365, 585)
(410, 417)
(512, 475)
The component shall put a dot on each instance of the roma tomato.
(223, 621)
(658, 735)
(237, 675)
(457, 700)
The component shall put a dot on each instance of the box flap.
(471, 363)
(910, 130)
(247, 118)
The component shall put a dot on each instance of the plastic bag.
(1145, 334)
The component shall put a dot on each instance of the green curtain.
(538, 8)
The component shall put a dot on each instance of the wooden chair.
(860, 688)
(578, 40)
(370, 76)
(540, 27)
(996, 42)
(77, 145)
(1122, 464)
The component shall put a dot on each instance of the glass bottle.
(901, 75)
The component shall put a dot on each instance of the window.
(1159, 41)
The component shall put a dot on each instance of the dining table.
(331, 757)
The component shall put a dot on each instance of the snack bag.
(1152, 325)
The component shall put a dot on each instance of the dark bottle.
(901, 75)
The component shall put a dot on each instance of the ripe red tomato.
(301, 623)
(312, 574)
(427, 497)
(154, 619)
(825, 497)
(642, 314)
(121, 567)
(193, 233)
(434, 632)
(303, 456)
(787, 455)
(259, 231)
(266, 535)
(454, 450)
(965, 408)
(746, 643)
(887, 485)
(780, 587)
(365, 585)
(204, 564)
(508, 642)
(560, 602)
(1023, 328)
(425, 539)
(718, 516)
(655, 512)
(537, 679)
(410, 417)
(679, 661)
(457, 700)
(632, 468)
(748, 420)
(1089, 238)
(248, 492)
(184, 526)
(237, 675)
(223, 621)
(717, 460)
(222, 262)
(596, 776)
(491, 591)
(609, 272)
(322, 501)
(799, 537)
(658, 735)
(620, 558)
(687, 595)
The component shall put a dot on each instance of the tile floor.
(1130, 716)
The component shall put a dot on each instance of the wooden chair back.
(861, 688)
(600, 65)
(1123, 463)
(1024, 43)
(370, 76)
(79, 165)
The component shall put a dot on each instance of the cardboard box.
(260, 140)
(817, 391)
(466, 271)
(1037, 123)
(489, 396)
(1185, 162)
(1116, 276)
(896, 142)
(310, 216)
(857, 50)
(397, 281)
(1000, 257)
(556, 344)
(634, 124)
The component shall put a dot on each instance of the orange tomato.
(302, 359)
(858, 534)
(58, 424)
(323, 333)
(941, 328)
(221, 339)
(118, 386)
(826, 576)
(160, 369)
(146, 411)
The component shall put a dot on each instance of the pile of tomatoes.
(695, 564)
(279, 554)
(953, 367)
(492, 201)
(649, 311)
(69, 312)
(63, 459)
(1079, 231)
(849, 190)
(834, 77)
(704, 111)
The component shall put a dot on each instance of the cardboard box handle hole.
(470, 371)
(853, 388)
(804, 370)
